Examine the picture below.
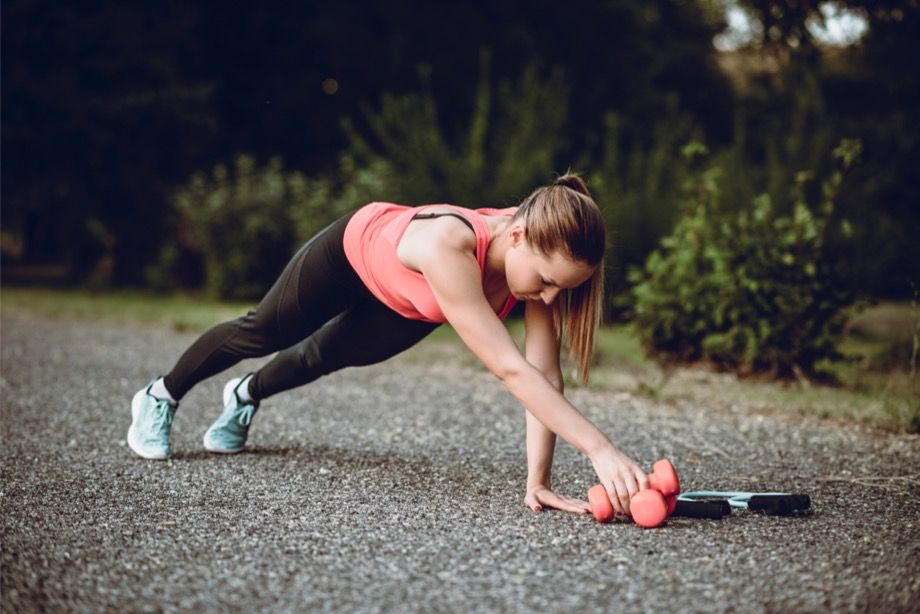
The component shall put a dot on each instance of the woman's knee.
(256, 335)
(315, 360)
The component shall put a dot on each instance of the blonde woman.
(380, 279)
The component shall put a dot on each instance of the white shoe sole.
(133, 442)
(215, 449)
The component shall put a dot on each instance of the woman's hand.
(541, 496)
(621, 477)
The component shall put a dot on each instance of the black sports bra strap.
(427, 216)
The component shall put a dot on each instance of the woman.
(380, 279)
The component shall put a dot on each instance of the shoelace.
(245, 413)
(161, 416)
(241, 415)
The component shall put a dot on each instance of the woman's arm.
(454, 277)
(541, 349)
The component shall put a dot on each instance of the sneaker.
(228, 433)
(152, 419)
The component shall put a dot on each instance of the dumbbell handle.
(702, 509)
(773, 503)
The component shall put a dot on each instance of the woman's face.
(533, 276)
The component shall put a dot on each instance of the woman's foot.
(151, 423)
(228, 433)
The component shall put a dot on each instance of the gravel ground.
(399, 487)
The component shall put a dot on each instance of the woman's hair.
(563, 216)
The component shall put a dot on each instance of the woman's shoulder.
(497, 212)
(424, 242)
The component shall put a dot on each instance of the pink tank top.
(370, 241)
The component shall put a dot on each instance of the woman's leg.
(367, 333)
(316, 284)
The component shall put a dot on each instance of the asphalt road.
(399, 487)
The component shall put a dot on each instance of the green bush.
(509, 147)
(330, 196)
(243, 223)
(637, 183)
(239, 219)
(751, 291)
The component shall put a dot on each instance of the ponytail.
(563, 216)
(573, 182)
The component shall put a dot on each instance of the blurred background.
(181, 146)
(112, 111)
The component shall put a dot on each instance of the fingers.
(566, 504)
(537, 500)
(531, 501)
(642, 479)
(623, 495)
(623, 491)
(614, 497)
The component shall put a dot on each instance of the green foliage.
(508, 147)
(751, 291)
(636, 185)
(245, 222)
(325, 198)
(239, 219)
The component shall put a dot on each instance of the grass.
(180, 311)
(877, 387)
(872, 391)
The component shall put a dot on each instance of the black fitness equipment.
(716, 504)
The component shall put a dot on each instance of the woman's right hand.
(621, 476)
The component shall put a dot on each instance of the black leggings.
(319, 316)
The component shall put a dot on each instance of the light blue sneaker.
(152, 419)
(228, 433)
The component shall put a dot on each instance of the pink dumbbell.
(648, 508)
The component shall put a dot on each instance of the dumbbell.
(648, 508)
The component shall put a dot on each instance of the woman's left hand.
(539, 497)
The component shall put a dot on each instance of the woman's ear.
(518, 235)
